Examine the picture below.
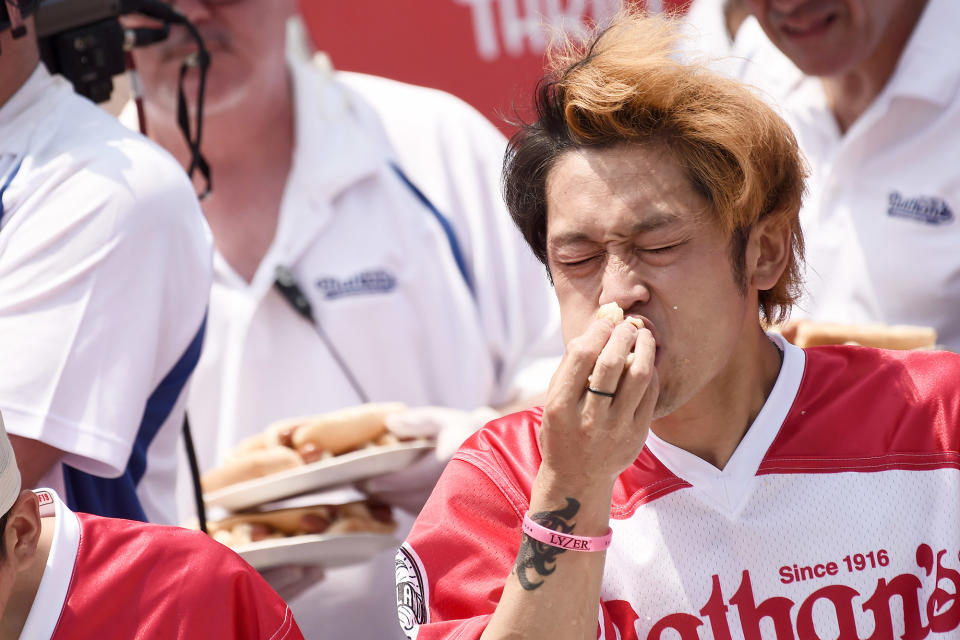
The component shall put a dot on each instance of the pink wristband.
(565, 540)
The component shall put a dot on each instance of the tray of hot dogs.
(308, 453)
(328, 529)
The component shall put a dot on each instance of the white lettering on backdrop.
(525, 25)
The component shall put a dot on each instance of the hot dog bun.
(612, 311)
(249, 465)
(347, 429)
(253, 443)
(812, 334)
(280, 433)
(292, 442)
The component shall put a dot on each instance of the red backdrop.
(488, 52)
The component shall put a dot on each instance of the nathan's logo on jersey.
(922, 208)
(411, 591)
(365, 282)
(898, 606)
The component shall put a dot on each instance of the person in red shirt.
(690, 476)
(66, 575)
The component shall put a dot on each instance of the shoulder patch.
(412, 592)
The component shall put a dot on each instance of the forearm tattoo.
(539, 557)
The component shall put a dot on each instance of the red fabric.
(841, 389)
(357, 33)
(137, 581)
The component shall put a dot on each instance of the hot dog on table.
(293, 442)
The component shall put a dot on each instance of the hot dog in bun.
(293, 442)
(355, 517)
(250, 464)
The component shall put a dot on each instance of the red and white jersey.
(111, 578)
(838, 516)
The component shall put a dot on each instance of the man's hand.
(587, 439)
(410, 488)
(592, 437)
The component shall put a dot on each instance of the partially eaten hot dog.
(612, 311)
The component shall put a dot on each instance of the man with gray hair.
(379, 204)
(873, 95)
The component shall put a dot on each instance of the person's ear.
(768, 252)
(22, 535)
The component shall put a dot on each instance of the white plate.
(328, 551)
(348, 467)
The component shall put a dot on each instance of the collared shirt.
(105, 271)
(881, 215)
(378, 270)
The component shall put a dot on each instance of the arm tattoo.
(539, 556)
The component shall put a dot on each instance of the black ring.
(606, 394)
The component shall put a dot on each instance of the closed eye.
(576, 263)
(663, 249)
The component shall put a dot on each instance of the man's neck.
(239, 139)
(850, 94)
(250, 152)
(26, 586)
(18, 61)
(712, 424)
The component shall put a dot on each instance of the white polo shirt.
(379, 270)
(881, 216)
(461, 318)
(105, 270)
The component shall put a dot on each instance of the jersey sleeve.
(255, 610)
(105, 269)
(167, 582)
(452, 568)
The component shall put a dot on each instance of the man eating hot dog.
(715, 485)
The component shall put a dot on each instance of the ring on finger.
(606, 394)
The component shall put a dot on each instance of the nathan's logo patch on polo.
(364, 283)
(412, 594)
(928, 209)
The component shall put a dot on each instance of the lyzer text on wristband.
(565, 540)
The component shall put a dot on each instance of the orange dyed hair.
(626, 86)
